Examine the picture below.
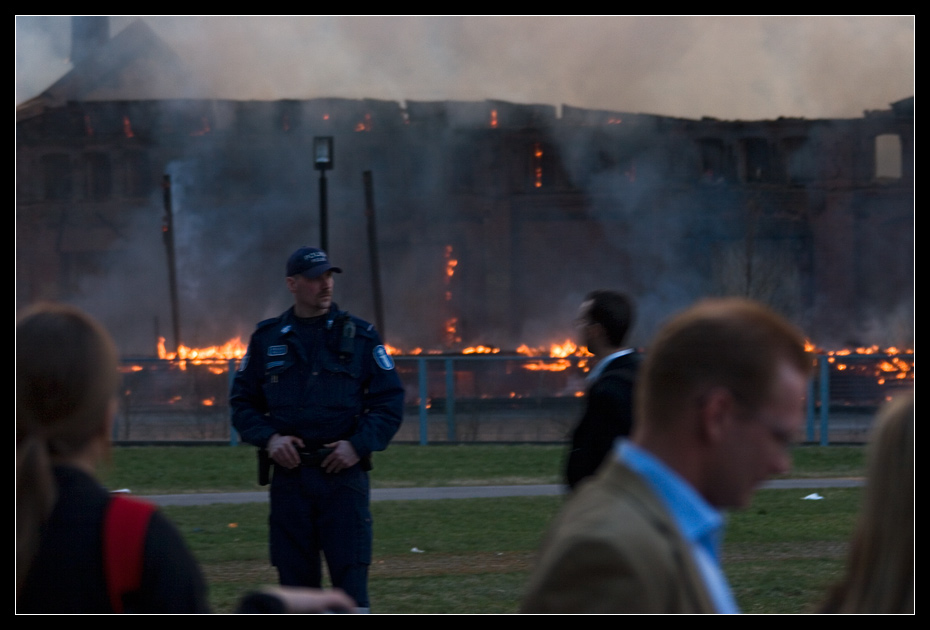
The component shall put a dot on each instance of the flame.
(493, 118)
(566, 349)
(450, 326)
(204, 127)
(481, 350)
(451, 264)
(232, 349)
(364, 125)
(540, 366)
(898, 366)
(127, 128)
(557, 350)
(537, 164)
(452, 336)
(561, 351)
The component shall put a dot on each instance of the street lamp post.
(323, 161)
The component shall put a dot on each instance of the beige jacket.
(615, 549)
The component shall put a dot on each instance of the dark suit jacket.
(608, 415)
(615, 549)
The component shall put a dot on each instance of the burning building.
(494, 218)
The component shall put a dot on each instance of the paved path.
(461, 492)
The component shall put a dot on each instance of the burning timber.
(478, 396)
(481, 206)
(494, 218)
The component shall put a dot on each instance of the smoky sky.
(689, 66)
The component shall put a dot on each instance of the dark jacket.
(67, 574)
(608, 415)
(344, 387)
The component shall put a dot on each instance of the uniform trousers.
(313, 511)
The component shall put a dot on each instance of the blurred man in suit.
(719, 399)
(604, 318)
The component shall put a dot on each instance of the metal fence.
(477, 398)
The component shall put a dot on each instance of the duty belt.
(313, 457)
(308, 457)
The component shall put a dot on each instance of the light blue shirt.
(700, 524)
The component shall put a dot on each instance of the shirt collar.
(698, 521)
(603, 363)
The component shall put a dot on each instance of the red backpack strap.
(124, 529)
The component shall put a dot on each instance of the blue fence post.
(811, 406)
(824, 401)
(450, 401)
(424, 396)
(231, 371)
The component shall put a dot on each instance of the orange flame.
(481, 350)
(204, 127)
(127, 128)
(232, 349)
(364, 125)
(450, 327)
(899, 365)
(537, 164)
(561, 351)
(541, 366)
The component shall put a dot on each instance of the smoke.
(131, 298)
(42, 48)
(726, 67)
(231, 253)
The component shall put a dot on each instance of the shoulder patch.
(382, 358)
(277, 351)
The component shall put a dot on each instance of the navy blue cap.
(309, 262)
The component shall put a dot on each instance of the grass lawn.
(182, 469)
(474, 555)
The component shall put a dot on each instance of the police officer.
(318, 391)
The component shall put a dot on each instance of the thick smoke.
(231, 255)
(728, 67)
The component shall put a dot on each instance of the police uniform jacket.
(344, 387)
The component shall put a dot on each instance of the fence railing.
(473, 398)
